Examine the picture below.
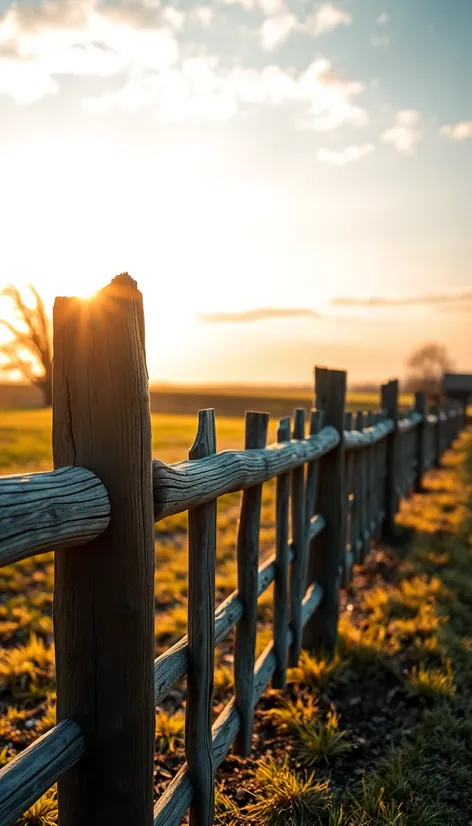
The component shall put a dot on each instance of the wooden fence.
(337, 489)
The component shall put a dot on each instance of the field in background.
(228, 400)
(25, 435)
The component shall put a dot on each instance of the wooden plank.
(281, 601)
(170, 809)
(369, 420)
(37, 768)
(438, 435)
(317, 524)
(390, 506)
(311, 601)
(356, 495)
(201, 637)
(346, 573)
(409, 422)
(354, 440)
(300, 540)
(172, 665)
(248, 561)
(104, 601)
(321, 630)
(378, 503)
(316, 418)
(184, 485)
(40, 512)
(364, 533)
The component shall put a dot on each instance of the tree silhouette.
(29, 350)
(426, 366)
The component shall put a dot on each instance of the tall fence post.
(390, 405)
(104, 594)
(420, 407)
(328, 548)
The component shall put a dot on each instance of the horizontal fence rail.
(342, 485)
(34, 771)
(41, 512)
(188, 484)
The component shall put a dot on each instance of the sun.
(86, 292)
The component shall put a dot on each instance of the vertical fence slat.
(437, 435)
(104, 600)
(390, 405)
(281, 601)
(311, 489)
(316, 418)
(349, 505)
(248, 560)
(369, 421)
(378, 505)
(321, 629)
(362, 497)
(356, 494)
(299, 536)
(201, 637)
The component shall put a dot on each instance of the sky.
(288, 181)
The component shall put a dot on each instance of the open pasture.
(25, 435)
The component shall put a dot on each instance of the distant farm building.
(458, 386)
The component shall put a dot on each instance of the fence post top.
(330, 393)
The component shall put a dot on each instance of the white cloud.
(406, 132)
(327, 18)
(347, 155)
(245, 4)
(25, 82)
(142, 14)
(41, 41)
(383, 19)
(200, 88)
(275, 30)
(47, 15)
(204, 14)
(380, 41)
(136, 39)
(270, 8)
(457, 131)
(280, 23)
(330, 98)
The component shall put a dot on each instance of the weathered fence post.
(364, 534)
(349, 459)
(201, 637)
(299, 537)
(438, 429)
(420, 407)
(281, 596)
(390, 405)
(104, 594)
(328, 548)
(248, 561)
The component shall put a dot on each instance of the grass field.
(379, 735)
(25, 435)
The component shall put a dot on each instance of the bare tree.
(426, 367)
(29, 351)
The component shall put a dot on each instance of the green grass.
(413, 638)
(409, 645)
(25, 435)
